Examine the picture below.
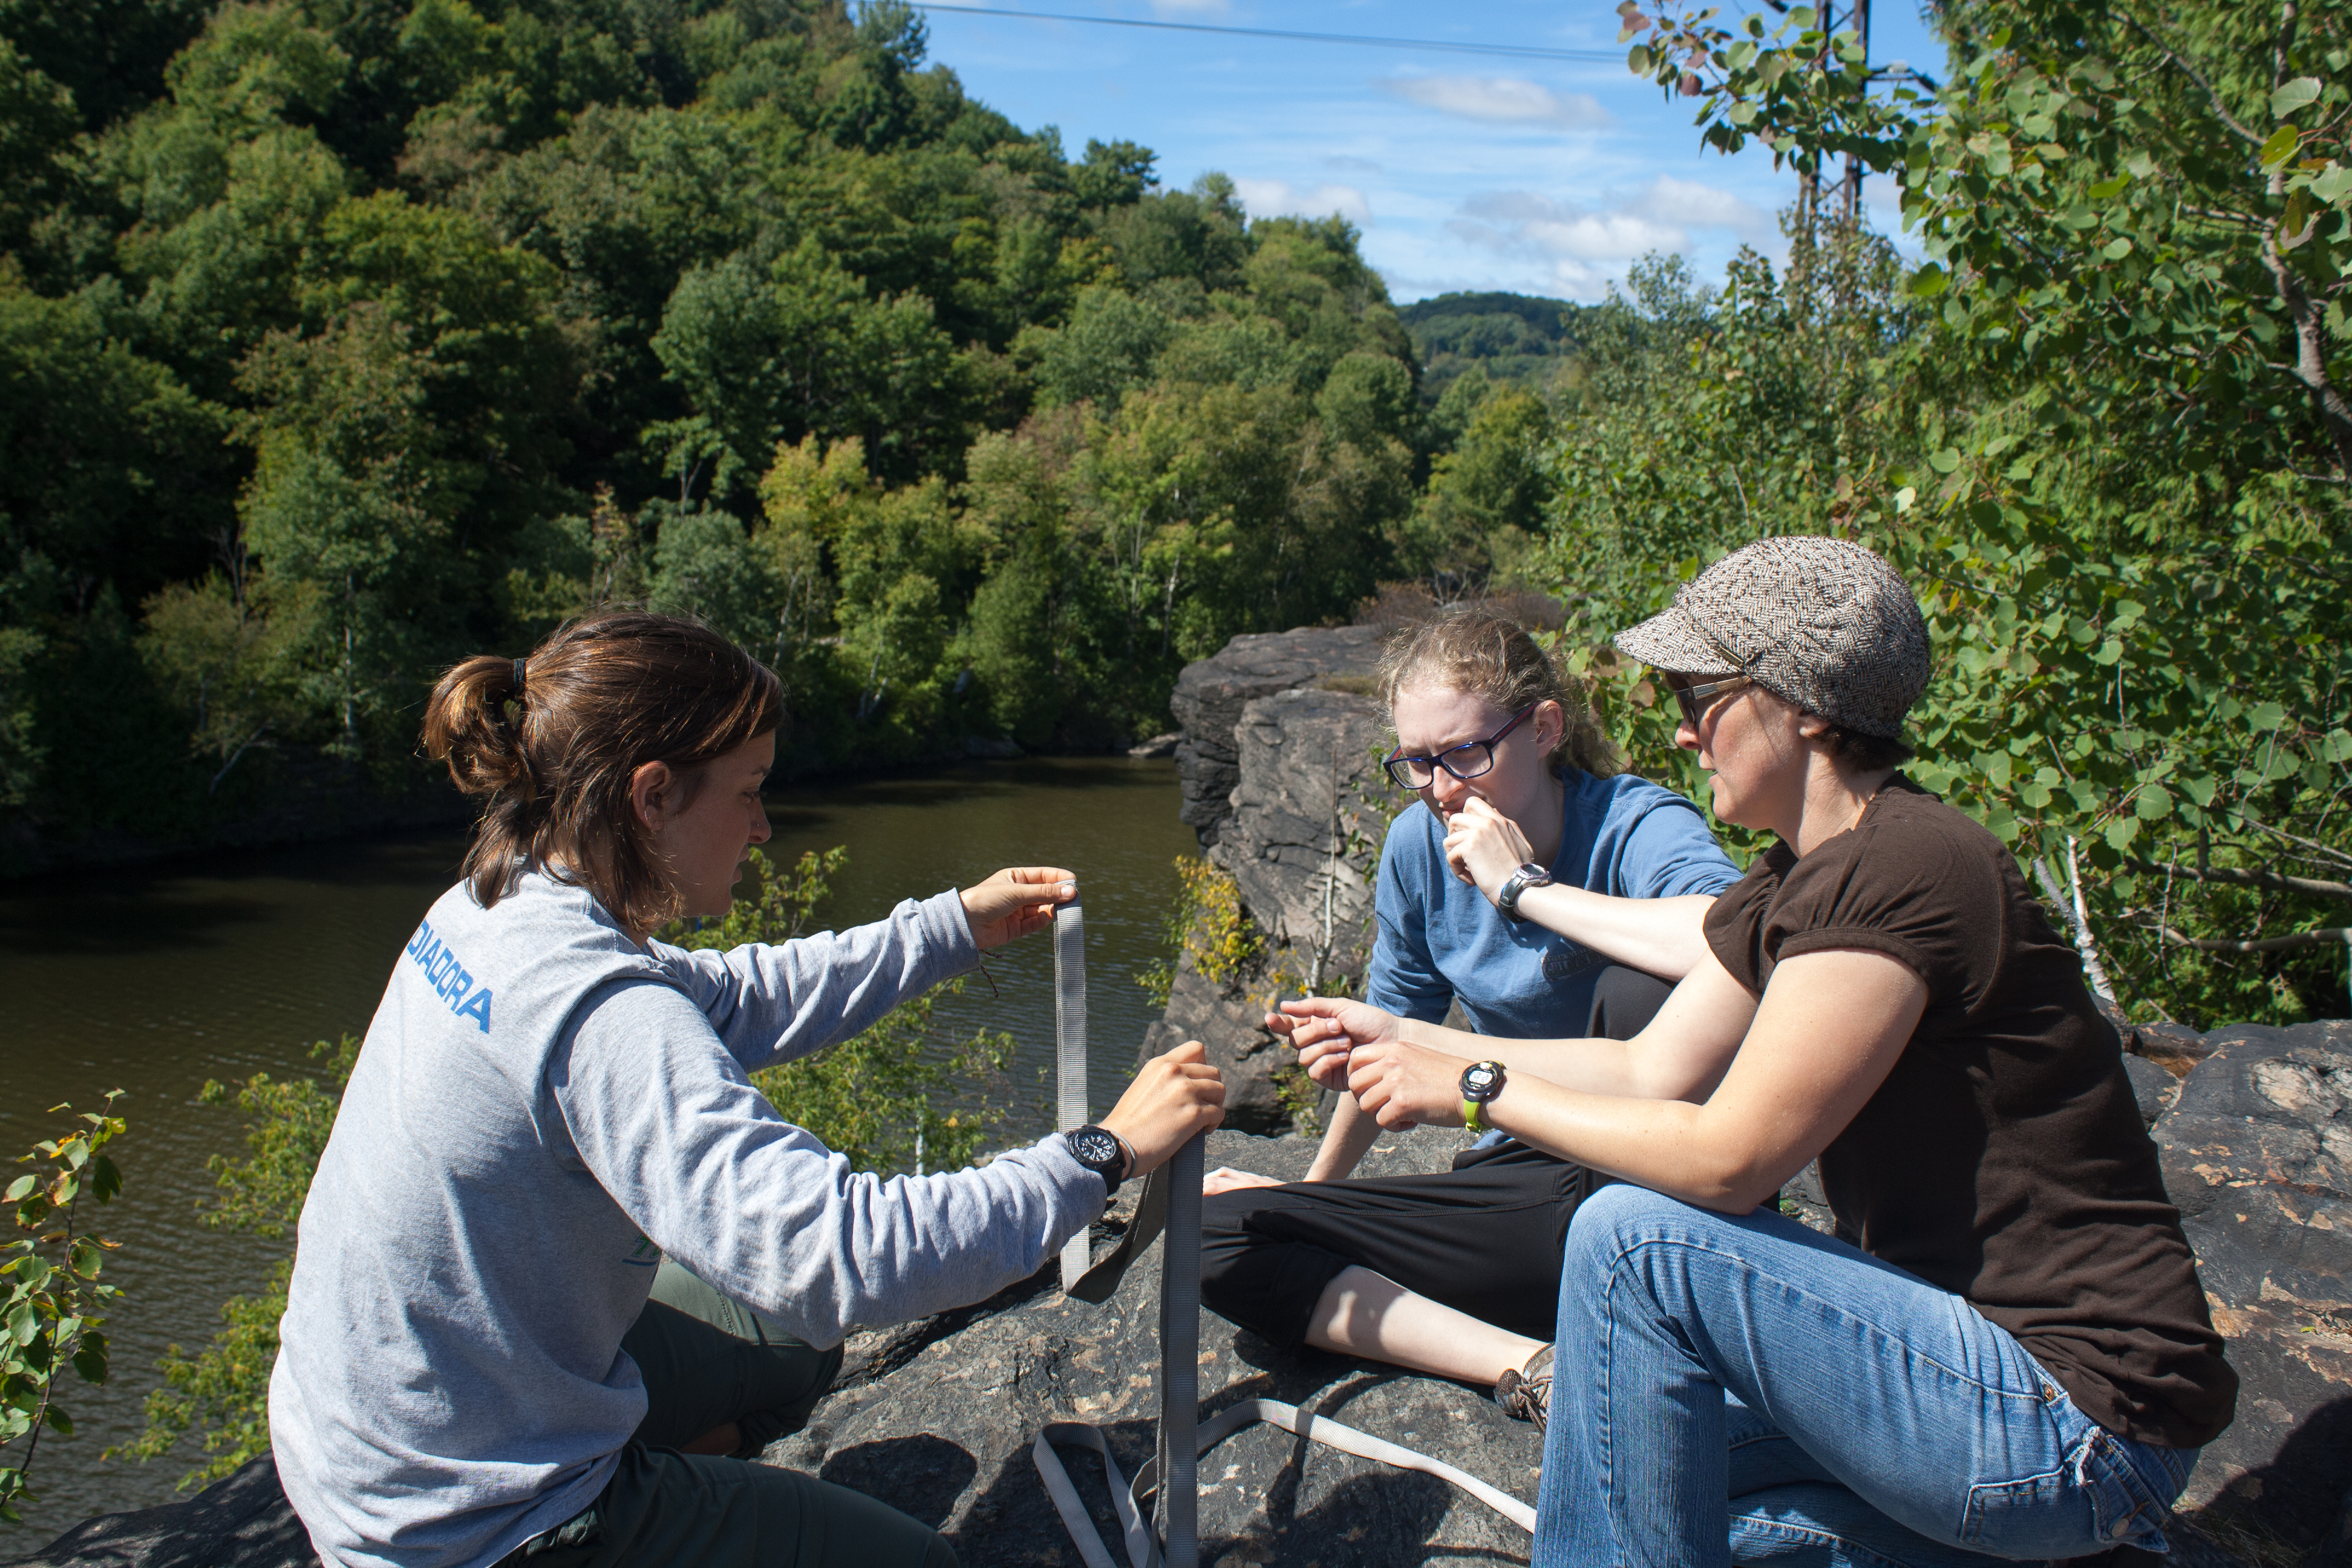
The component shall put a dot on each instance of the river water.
(153, 980)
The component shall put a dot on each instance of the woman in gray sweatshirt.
(549, 1103)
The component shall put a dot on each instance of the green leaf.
(2154, 803)
(1637, 60)
(1929, 281)
(2120, 834)
(2117, 249)
(2303, 90)
(24, 1323)
(21, 1186)
(2333, 184)
(2281, 146)
(2266, 716)
(1944, 459)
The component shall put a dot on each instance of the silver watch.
(1528, 876)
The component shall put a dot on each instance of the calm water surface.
(152, 981)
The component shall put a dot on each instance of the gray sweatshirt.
(541, 1110)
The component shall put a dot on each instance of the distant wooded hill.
(1521, 338)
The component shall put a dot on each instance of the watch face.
(1095, 1147)
(1480, 1080)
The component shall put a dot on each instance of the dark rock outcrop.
(2258, 1157)
(1212, 693)
(1301, 839)
(244, 1521)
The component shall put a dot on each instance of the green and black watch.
(1481, 1081)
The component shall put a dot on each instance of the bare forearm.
(1593, 1067)
(1344, 1142)
(1665, 937)
(1668, 1145)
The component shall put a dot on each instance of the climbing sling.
(1170, 1202)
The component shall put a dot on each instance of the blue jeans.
(1748, 1390)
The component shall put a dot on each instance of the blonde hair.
(1472, 649)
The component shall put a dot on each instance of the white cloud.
(1703, 207)
(1519, 223)
(1273, 199)
(1580, 248)
(1507, 99)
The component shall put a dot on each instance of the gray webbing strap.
(1127, 1498)
(1171, 1202)
(1070, 1053)
(1180, 1360)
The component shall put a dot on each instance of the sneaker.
(1525, 1394)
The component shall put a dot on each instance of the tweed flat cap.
(1823, 623)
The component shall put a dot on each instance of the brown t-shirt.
(2004, 1159)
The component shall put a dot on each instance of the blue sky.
(1462, 171)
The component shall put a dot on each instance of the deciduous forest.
(340, 340)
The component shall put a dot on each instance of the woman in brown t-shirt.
(2005, 1351)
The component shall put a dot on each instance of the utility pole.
(1858, 18)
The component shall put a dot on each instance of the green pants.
(707, 1362)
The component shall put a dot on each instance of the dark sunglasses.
(1465, 762)
(1695, 701)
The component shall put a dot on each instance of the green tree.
(51, 1316)
(2103, 446)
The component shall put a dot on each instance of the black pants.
(707, 1363)
(1484, 1238)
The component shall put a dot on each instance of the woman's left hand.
(1484, 846)
(1015, 902)
(1402, 1086)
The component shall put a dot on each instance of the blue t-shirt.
(1439, 938)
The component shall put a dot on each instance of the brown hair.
(1473, 649)
(550, 743)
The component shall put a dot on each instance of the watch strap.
(1470, 1116)
(1528, 875)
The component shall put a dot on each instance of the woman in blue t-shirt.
(1548, 895)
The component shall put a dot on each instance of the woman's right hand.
(1173, 1097)
(1484, 846)
(1324, 1029)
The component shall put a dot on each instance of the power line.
(1515, 51)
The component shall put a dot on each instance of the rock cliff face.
(1212, 693)
(1281, 774)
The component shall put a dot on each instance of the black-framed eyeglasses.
(1465, 762)
(1695, 701)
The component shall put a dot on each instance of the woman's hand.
(1015, 902)
(1484, 846)
(1174, 1096)
(1402, 1086)
(1226, 1178)
(1323, 1030)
